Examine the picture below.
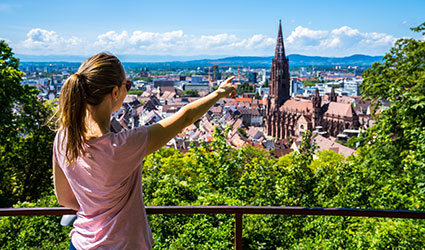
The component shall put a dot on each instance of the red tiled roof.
(279, 152)
(341, 109)
(217, 110)
(244, 99)
(292, 105)
(238, 123)
(167, 88)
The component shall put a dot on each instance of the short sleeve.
(55, 148)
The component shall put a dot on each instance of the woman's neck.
(98, 122)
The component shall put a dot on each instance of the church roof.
(292, 105)
(341, 109)
(304, 119)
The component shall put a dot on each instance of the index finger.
(230, 79)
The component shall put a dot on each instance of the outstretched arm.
(163, 131)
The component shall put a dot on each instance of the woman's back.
(106, 182)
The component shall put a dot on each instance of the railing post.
(238, 231)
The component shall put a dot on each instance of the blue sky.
(321, 28)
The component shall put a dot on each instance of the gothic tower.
(279, 86)
(317, 104)
(279, 75)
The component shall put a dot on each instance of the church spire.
(280, 49)
(316, 100)
(332, 96)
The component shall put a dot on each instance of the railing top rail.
(234, 210)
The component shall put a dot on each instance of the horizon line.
(187, 58)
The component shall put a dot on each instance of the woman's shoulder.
(125, 137)
(134, 132)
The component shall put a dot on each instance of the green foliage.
(309, 83)
(143, 78)
(25, 141)
(11, 92)
(191, 93)
(392, 152)
(34, 232)
(135, 92)
(216, 174)
(242, 132)
(245, 88)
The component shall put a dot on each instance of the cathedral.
(289, 117)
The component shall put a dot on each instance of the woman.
(97, 172)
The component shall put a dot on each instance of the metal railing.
(238, 211)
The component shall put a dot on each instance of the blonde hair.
(95, 78)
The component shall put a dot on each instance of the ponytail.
(96, 77)
(73, 110)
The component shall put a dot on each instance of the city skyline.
(236, 28)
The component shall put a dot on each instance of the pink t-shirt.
(107, 183)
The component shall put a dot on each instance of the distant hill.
(360, 60)
(294, 60)
(253, 61)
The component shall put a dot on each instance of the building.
(252, 77)
(215, 74)
(288, 117)
(197, 80)
(161, 82)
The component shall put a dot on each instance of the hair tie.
(79, 75)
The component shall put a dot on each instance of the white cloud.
(45, 41)
(112, 39)
(149, 42)
(178, 43)
(41, 38)
(257, 41)
(341, 41)
(219, 41)
(306, 36)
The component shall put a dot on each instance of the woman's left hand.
(227, 88)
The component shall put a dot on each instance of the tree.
(11, 92)
(191, 93)
(245, 88)
(25, 140)
(392, 152)
(135, 92)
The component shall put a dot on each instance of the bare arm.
(63, 191)
(163, 131)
